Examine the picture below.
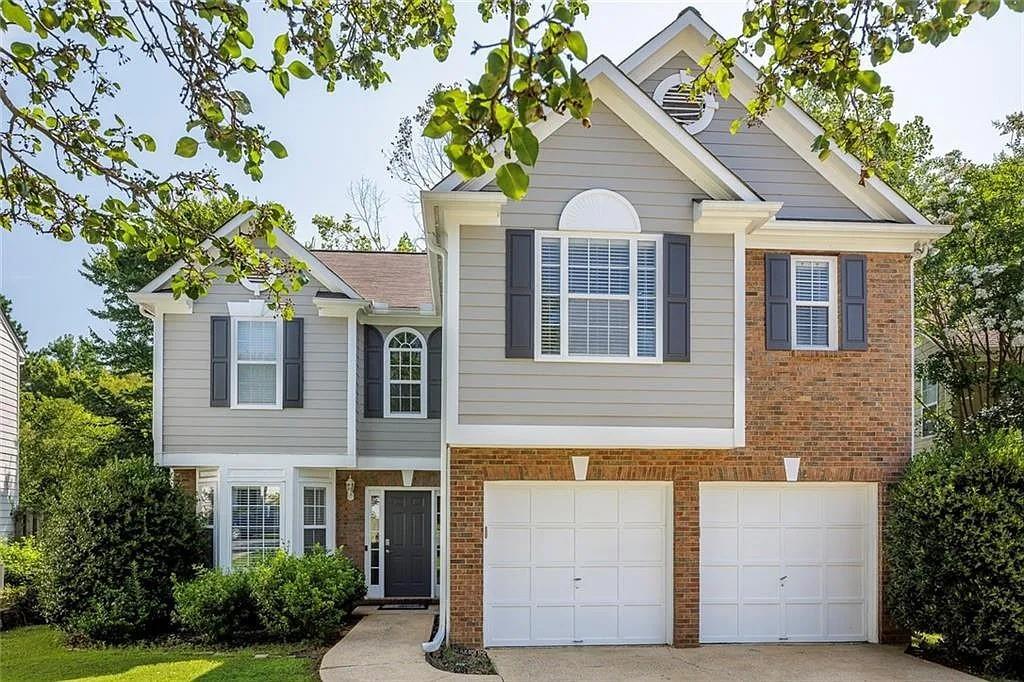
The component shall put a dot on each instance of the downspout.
(920, 251)
(444, 611)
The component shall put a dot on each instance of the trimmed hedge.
(19, 598)
(955, 548)
(218, 607)
(112, 546)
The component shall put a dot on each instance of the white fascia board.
(729, 217)
(399, 462)
(844, 236)
(285, 242)
(625, 98)
(401, 318)
(339, 307)
(790, 123)
(548, 436)
(162, 302)
(258, 460)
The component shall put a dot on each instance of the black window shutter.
(519, 293)
(220, 361)
(293, 341)
(434, 374)
(677, 298)
(853, 276)
(776, 302)
(373, 372)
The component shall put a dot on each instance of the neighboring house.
(11, 357)
(598, 450)
(930, 400)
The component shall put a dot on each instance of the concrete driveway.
(732, 662)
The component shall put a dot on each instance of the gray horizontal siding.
(763, 161)
(394, 437)
(609, 155)
(496, 390)
(9, 371)
(190, 425)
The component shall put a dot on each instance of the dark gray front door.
(407, 547)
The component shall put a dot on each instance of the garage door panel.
(642, 584)
(510, 584)
(597, 584)
(760, 545)
(587, 566)
(508, 545)
(552, 545)
(759, 505)
(508, 624)
(819, 537)
(551, 505)
(719, 583)
(597, 544)
(643, 545)
(597, 505)
(719, 545)
(508, 505)
(550, 584)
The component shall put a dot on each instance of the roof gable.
(9, 330)
(689, 33)
(395, 279)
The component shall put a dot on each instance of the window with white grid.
(314, 517)
(257, 357)
(255, 523)
(814, 302)
(598, 297)
(929, 392)
(405, 387)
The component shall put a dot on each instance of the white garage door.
(576, 563)
(791, 562)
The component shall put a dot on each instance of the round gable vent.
(675, 95)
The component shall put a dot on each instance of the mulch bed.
(460, 659)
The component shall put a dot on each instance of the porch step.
(426, 601)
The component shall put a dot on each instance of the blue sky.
(335, 139)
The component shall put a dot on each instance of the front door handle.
(577, 579)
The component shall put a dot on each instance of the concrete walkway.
(385, 645)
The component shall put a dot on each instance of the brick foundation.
(846, 414)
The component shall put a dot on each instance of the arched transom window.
(405, 388)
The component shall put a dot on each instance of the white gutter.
(444, 611)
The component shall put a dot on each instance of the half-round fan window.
(675, 95)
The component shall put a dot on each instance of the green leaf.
(1015, 5)
(869, 81)
(277, 149)
(186, 147)
(577, 45)
(16, 15)
(147, 141)
(48, 17)
(525, 145)
(280, 81)
(22, 50)
(299, 70)
(245, 38)
(512, 180)
(734, 127)
(436, 129)
(281, 44)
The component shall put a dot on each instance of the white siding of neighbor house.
(496, 390)
(190, 425)
(9, 375)
(394, 437)
(766, 163)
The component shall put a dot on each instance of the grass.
(38, 654)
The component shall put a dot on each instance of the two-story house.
(669, 388)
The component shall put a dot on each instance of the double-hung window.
(929, 392)
(814, 318)
(314, 517)
(405, 387)
(598, 297)
(257, 362)
(206, 508)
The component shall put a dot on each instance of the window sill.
(404, 416)
(611, 360)
(257, 407)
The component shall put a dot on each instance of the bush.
(19, 599)
(306, 597)
(955, 548)
(112, 546)
(217, 607)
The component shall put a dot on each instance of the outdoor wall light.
(350, 489)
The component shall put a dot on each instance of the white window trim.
(279, 363)
(833, 308)
(925, 407)
(710, 101)
(314, 526)
(226, 550)
(422, 414)
(564, 296)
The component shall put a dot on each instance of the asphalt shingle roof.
(401, 280)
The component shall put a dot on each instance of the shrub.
(955, 548)
(112, 546)
(217, 607)
(306, 597)
(19, 599)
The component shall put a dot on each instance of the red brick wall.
(846, 414)
(350, 529)
(184, 479)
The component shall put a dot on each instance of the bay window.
(598, 297)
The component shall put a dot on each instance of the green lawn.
(37, 654)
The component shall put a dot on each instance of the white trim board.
(257, 460)
(548, 436)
